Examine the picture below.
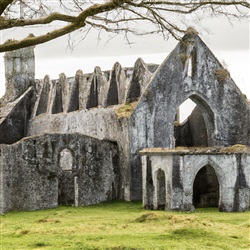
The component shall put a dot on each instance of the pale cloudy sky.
(230, 44)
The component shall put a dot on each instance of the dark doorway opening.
(161, 190)
(206, 188)
(149, 186)
(66, 185)
(66, 189)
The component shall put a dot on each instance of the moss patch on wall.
(125, 110)
(221, 75)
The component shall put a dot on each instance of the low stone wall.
(180, 169)
(101, 123)
(36, 171)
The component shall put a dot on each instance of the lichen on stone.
(221, 75)
(183, 58)
(125, 110)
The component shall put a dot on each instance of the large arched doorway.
(206, 188)
(161, 190)
(197, 129)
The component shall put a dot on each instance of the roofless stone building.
(116, 135)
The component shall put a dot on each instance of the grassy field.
(124, 225)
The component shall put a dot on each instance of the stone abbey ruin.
(116, 135)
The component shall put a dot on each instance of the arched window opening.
(66, 159)
(194, 124)
(206, 188)
(185, 110)
(161, 190)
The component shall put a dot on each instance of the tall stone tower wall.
(19, 72)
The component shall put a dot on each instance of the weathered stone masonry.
(180, 169)
(69, 169)
(77, 140)
(190, 71)
(80, 104)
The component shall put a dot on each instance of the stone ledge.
(235, 149)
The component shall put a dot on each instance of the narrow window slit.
(190, 67)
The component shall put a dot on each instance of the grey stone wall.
(190, 71)
(90, 96)
(88, 104)
(19, 72)
(78, 104)
(28, 183)
(101, 123)
(33, 175)
(140, 78)
(14, 118)
(98, 89)
(192, 132)
(198, 128)
(181, 167)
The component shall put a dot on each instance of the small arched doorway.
(161, 190)
(206, 188)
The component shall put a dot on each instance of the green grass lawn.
(124, 225)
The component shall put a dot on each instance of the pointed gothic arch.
(202, 117)
(208, 116)
(206, 188)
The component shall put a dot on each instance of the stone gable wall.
(190, 71)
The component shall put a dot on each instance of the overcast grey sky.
(230, 45)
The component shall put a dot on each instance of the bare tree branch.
(11, 23)
(113, 16)
(4, 4)
(78, 23)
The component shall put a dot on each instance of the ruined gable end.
(116, 135)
